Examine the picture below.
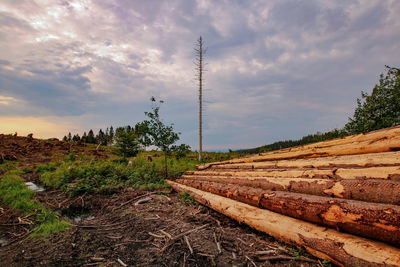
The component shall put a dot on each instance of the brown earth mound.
(29, 149)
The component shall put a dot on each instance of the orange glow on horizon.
(40, 127)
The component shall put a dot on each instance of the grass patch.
(187, 198)
(15, 194)
(8, 165)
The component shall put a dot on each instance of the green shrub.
(102, 177)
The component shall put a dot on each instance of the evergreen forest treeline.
(102, 137)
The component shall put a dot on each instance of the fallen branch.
(175, 238)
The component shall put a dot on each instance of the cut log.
(385, 140)
(372, 220)
(360, 161)
(340, 248)
(391, 172)
(369, 190)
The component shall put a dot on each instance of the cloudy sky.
(277, 69)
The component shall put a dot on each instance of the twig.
(164, 196)
(250, 260)
(264, 252)
(114, 237)
(122, 263)
(242, 241)
(97, 259)
(175, 238)
(166, 234)
(188, 244)
(143, 200)
(234, 255)
(206, 255)
(14, 224)
(62, 202)
(184, 260)
(218, 244)
(158, 236)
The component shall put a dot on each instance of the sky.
(276, 69)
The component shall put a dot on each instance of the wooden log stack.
(339, 199)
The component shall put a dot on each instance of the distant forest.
(102, 137)
(379, 110)
(312, 138)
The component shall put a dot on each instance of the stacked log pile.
(339, 199)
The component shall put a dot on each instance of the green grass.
(187, 198)
(8, 165)
(15, 194)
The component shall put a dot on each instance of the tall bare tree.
(199, 63)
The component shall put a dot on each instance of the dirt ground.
(132, 228)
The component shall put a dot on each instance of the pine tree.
(90, 137)
(69, 137)
(101, 138)
(126, 142)
(84, 138)
(111, 135)
(76, 138)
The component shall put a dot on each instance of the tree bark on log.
(384, 140)
(340, 248)
(350, 161)
(372, 220)
(391, 173)
(369, 190)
